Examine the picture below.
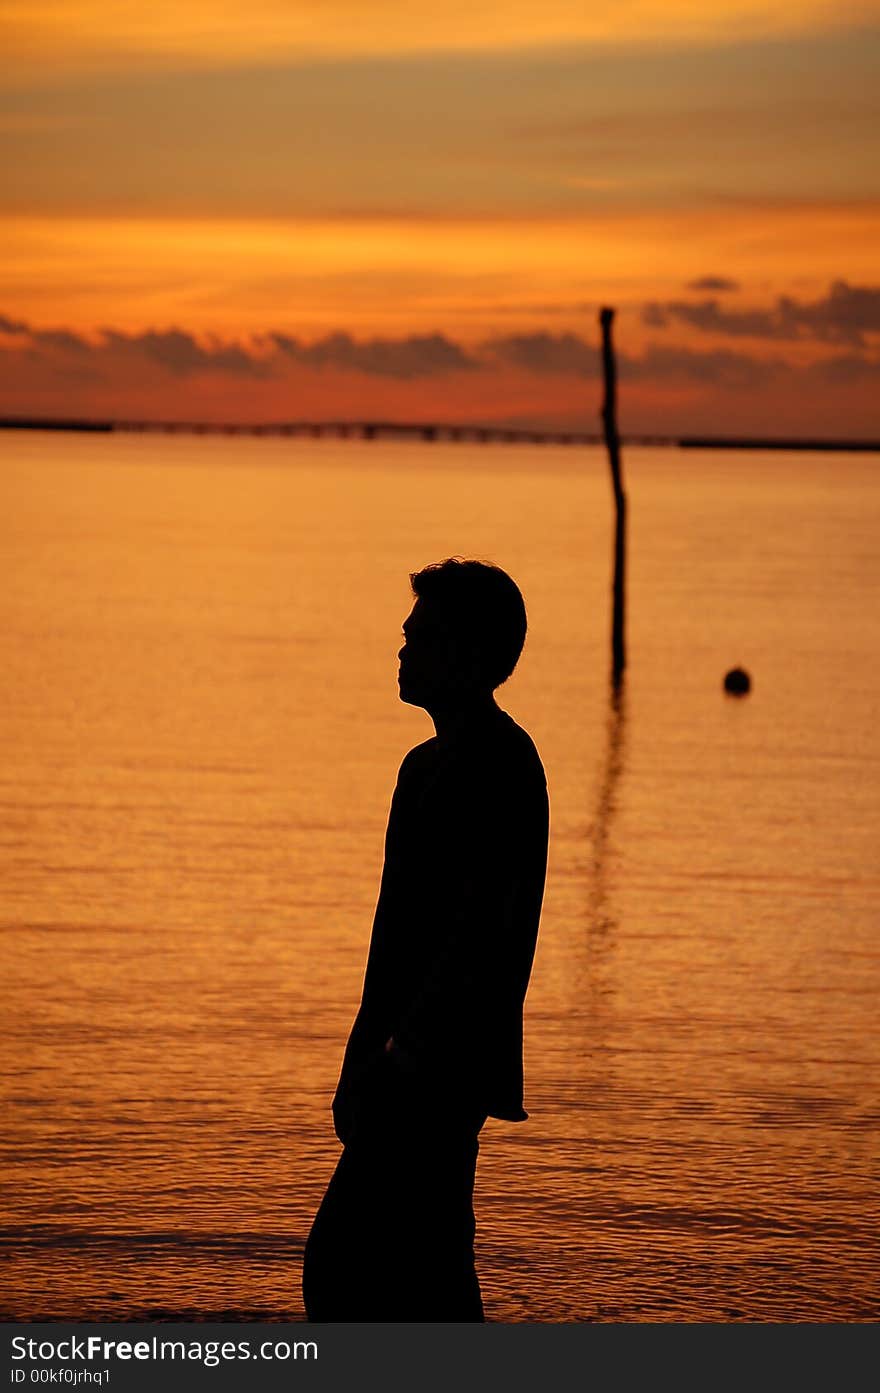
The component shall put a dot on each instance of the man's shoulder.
(498, 776)
(521, 745)
(504, 799)
(511, 754)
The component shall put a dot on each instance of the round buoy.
(737, 682)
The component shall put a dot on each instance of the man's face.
(435, 668)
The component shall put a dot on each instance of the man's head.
(464, 634)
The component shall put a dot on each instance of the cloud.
(845, 369)
(174, 350)
(655, 315)
(846, 314)
(62, 339)
(182, 355)
(712, 283)
(418, 355)
(721, 368)
(571, 355)
(156, 359)
(545, 353)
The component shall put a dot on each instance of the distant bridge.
(426, 432)
(316, 430)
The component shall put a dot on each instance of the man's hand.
(383, 1084)
(403, 1061)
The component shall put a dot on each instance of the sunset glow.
(73, 32)
(444, 170)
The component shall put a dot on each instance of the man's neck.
(451, 721)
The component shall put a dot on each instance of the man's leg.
(393, 1238)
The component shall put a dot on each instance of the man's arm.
(364, 1067)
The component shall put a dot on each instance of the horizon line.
(431, 432)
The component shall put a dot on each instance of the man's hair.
(480, 603)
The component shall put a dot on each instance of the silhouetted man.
(436, 1046)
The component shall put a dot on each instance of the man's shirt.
(455, 928)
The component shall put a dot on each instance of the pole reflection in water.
(601, 914)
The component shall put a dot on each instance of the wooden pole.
(612, 441)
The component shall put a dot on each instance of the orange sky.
(277, 210)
